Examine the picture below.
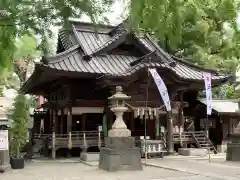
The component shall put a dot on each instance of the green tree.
(204, 32)
(19, 117)
(18, 18)
(25, 53)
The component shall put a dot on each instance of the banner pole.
(145, 119)
(208, 90)
(209, 153)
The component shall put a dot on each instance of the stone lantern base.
(119, 133)
(120, 153)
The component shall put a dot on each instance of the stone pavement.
(171, 168)
(218, 168)
(77, 171)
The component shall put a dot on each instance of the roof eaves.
(24, 87)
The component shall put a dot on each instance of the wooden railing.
(186, 136)
(82, 139)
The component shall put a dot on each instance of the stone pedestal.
(233, 147)
(233, 150)
(120, 153)
(192, 151)
(89, 156)
(119, 132)
(4, 160)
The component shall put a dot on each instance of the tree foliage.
(21, 17)
(19, 117)
(205, 32)
(26, 52)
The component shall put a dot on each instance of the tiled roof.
(101, 64)
(223, 106)
(96, 45)
(118, 65)
(89, 52)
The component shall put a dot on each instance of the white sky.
(115, 13)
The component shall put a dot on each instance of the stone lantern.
(119, 152)
(119, 128)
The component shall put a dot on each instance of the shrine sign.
(3, 140)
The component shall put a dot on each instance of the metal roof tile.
(117, 65)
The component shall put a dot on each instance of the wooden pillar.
(69, 120)
(69, 128)
(181, 115)
(104, 123)
(157, 125)
(132, 121)
(50, 120)
(230, 125)
(83, 122)
(62, 121)
(56, 122)
(54, 135)
(170, 145)
(105, 119)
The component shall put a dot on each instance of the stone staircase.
(202, 141)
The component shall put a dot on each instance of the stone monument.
(120, 152)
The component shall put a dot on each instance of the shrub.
(19, 117)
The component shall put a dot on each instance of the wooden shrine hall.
(88, 66)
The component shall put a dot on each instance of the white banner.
(161, 88)
(208, 88)
(3, 140)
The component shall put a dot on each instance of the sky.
(114, 15)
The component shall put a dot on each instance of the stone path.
(77, 171)
(218, 169)
(169, 168)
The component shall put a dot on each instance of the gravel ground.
(77, 171)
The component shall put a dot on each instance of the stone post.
(119, 152)
(4, 159)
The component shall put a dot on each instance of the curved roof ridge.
(57, 57)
